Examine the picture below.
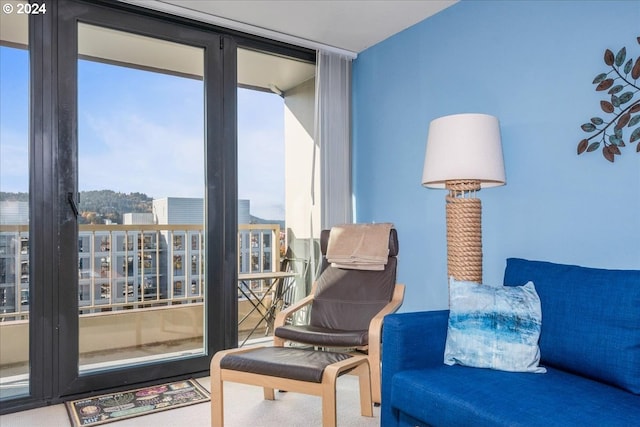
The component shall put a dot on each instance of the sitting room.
(498, 140)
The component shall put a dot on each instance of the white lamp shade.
(464, 147)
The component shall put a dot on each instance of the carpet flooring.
(244, 406)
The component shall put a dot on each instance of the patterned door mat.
(127, 404)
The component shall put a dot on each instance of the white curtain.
(332, 137)
(332, 142)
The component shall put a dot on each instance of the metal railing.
(259, 247)
(133, 266)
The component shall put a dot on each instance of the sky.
(141, 131)
(14, 120)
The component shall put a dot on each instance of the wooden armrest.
(282, 316)
(375, 326)
(375, 337)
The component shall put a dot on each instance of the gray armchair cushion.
(324, 337)
(348, 299)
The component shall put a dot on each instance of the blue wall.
(531, 64)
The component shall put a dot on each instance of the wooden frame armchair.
(347, 308)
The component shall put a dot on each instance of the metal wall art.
(623, 107)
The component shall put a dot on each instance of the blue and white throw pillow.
(494, 327)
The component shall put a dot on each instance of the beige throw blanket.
(359, 246)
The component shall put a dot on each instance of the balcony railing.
(133, 266)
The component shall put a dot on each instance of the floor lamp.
(464, 154)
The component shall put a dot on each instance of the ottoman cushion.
(284, 362)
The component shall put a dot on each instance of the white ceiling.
(345, 26)
(341, 26)
(349, 25)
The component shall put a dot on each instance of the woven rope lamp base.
(464, 231)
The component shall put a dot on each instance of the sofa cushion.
(494, 327)
(458, 396)
(591, 319)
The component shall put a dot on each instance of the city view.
(152, 255)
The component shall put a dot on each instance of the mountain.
(257, 220)
(13, 197)
(99, 205)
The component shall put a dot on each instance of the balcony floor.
(104, 357)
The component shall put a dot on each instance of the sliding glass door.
(141, 253)
(119, 203)
(143, 274)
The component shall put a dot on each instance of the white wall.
(302, 171)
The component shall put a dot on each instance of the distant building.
(14, 213)
(244, 215)
(178, 210)
(137, 218)
(185, 210)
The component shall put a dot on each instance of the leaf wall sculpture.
(623, 104)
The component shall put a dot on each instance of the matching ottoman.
(292, 369)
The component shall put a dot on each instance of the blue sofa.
(589, 344)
